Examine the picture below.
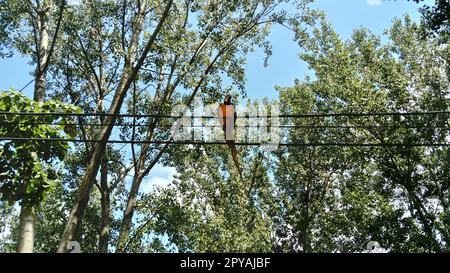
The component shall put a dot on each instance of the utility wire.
(23, 88)
(336, 144)
(121, 124)
(369, 114)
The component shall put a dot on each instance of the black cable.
(370, 114)
(120, 124)
(336, 144)
(246, 116)
(23, 88)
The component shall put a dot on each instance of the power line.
(87, 115)
(308, 126)
(368, 114)
(317, 115)
(335, 144)
(23, 88)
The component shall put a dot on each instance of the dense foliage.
(145, 57)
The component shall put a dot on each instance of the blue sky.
(284, 66)
(344, 16)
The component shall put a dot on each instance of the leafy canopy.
(25, 165)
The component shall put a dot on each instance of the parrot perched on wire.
(227, 119)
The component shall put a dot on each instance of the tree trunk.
(128, 75)
(26, 229)
(42, 52)
(127, 219)
(27, 212)
(105, 203)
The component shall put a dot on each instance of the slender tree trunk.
(128, 75)
(127, 219)
(105, 203)
(26, 229)
(27, 211)
(42, 52)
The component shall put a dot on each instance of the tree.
(131, 67)
(26, 29)
(437, 19)
(226, 33)
(379, 193)
(26, 172)
(208, 208)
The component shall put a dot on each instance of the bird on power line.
(227, 119)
